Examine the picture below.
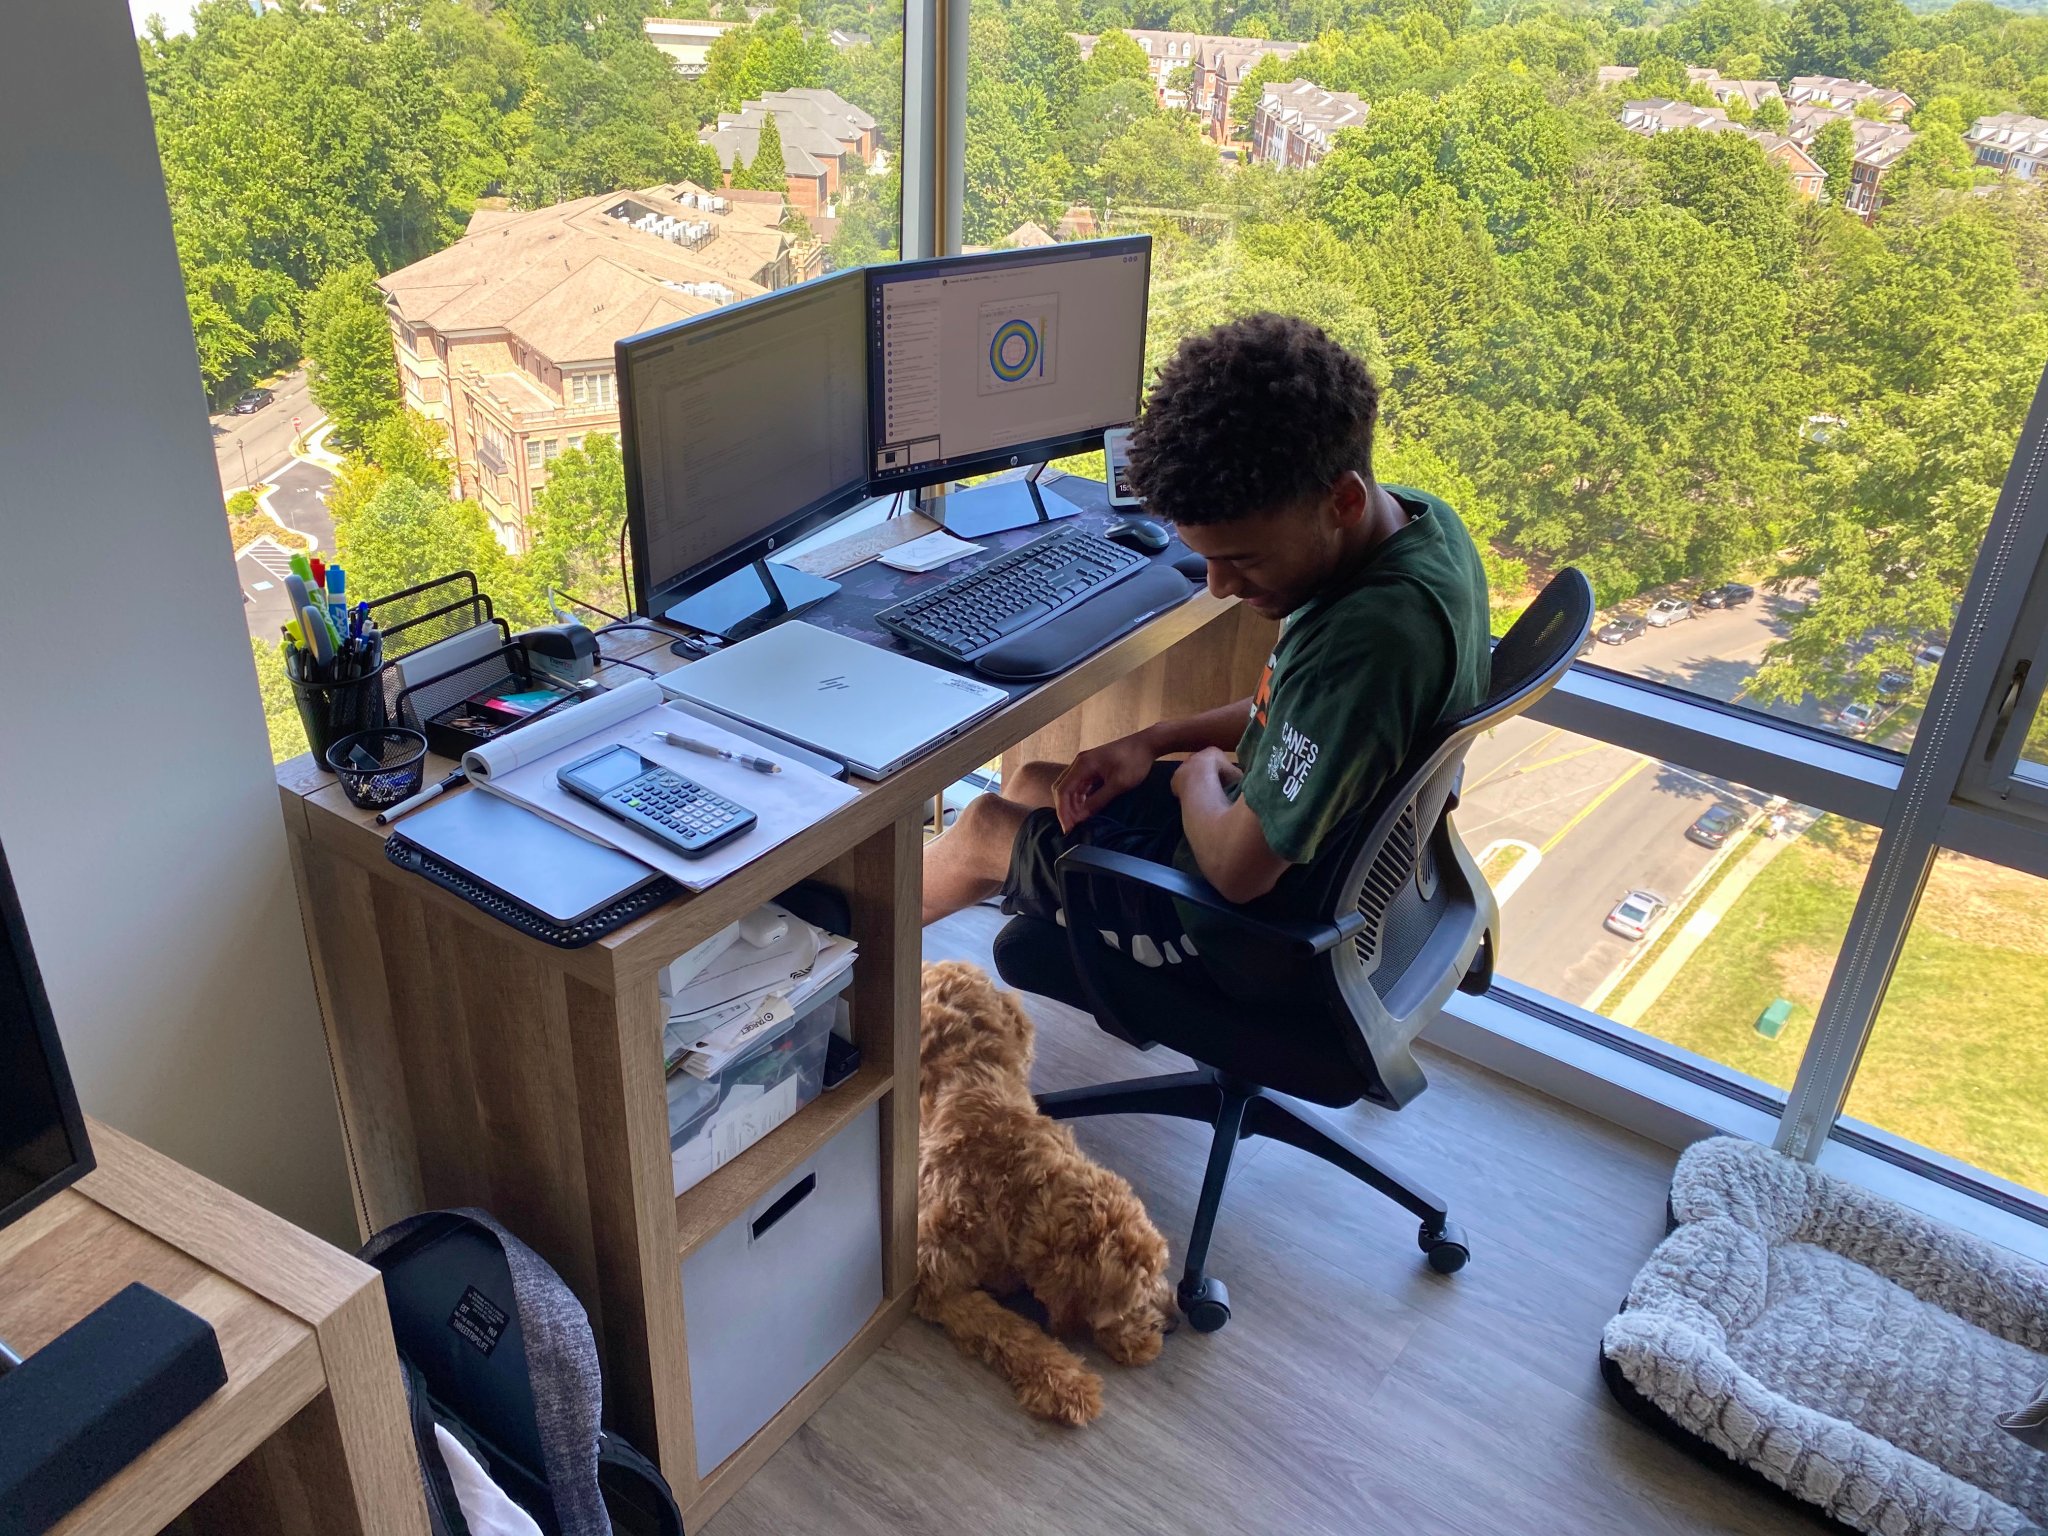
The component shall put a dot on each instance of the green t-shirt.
(1356, 678)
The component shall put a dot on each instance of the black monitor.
(743, 430)
(1000, 359)
(42, 1134)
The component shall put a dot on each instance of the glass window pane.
(1638, 303)
(1681, 905)
(394, 218)
(1958, 1061)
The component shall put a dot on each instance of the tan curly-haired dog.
(1006, 1199)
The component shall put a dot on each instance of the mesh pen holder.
(379, 768)
(331, 711)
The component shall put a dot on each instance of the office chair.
(1402, 918)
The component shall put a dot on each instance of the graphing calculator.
(646, 796)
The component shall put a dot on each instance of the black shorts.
(1143, 822)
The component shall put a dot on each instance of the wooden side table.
(310, 1436)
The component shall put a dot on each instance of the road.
(1608, 819)
(299, 501)
(248, 449)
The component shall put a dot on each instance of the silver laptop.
(523, 857)
(874, 710)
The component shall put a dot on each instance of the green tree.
(1117, 56)
(1772, 115)
(1269, 69)
(1843, 37)
(1715, 32)
(353, 373)
(1159, 161)
(575, 526)
(404, 534)
(1834, 151)
(413, 446)
(280, 710)
(1727, 182)
(767, 173)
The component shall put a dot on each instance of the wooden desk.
(310, 1434)
(477, 1066)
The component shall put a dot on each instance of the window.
(533, 455)
(552, 450)
(1958, 1061)
(575, 441)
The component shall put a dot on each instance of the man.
(1257, 444)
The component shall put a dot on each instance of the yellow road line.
(1595, 803)
(1565, 757)
(1550, 735)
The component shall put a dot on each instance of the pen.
(705, 749)
(405, 807)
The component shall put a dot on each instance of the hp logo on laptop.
(831, 683)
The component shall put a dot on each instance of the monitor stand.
(750, 600)
(997, 506)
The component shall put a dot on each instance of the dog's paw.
(1133, 1341)
(1063, 1396)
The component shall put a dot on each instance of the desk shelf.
(710, 1205)
(477, 1066)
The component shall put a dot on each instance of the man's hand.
(1098, 776)
(1229, 845)
(1205, 765)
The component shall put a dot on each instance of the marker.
(295, 633)
(301, 568)
(406, 807)
(337, 603)
(705, 749)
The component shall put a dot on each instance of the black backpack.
(497, 1350)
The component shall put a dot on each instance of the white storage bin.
(773, 1297)
(713, 1120)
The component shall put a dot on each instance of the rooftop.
(570, 280)
(2013, 133)
(1329, 112)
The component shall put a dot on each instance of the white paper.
(785, 803)
(927, 553)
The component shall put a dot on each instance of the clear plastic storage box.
(713, 1120)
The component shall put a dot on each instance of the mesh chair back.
(1428, 915)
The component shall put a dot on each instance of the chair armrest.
(1302, 938)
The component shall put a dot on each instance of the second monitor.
(1001, 359)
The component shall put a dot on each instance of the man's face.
(1275, 561)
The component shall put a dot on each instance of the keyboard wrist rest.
(1055, 646)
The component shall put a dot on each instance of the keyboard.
(1012, 594)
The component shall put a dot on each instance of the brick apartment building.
(506, 336)
(2012, 143)
(687, 43)
(1294, 125)
(1846, 95)
(1878, 146)
(819, 131)
(1219, 68)
(1723, 89)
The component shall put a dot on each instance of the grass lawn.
(1959, 1059)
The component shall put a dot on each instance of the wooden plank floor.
(1353, 1390)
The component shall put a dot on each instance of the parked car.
(1716, 824)
(1859, 719)
(1622, 627)
(1930, 654)
(1633, 914)
(1732, 594)
(1669, 610)
(1892, 686)
(250, 401)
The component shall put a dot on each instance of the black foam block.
(94, 1398)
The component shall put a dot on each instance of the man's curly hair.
(1257, 414)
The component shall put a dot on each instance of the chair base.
(1237, 1109)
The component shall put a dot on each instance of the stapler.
(561, 653)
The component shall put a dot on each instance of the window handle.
(2007, 703)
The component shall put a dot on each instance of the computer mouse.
(1139, 533)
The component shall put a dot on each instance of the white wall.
(137, 806)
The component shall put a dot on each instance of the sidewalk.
(1685, 943)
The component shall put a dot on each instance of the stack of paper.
(748, 994)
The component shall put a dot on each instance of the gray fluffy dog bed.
(1853, 1353)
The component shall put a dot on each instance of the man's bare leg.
(968, 862)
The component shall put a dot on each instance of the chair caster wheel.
(1206, 1306)
(1444, 1247)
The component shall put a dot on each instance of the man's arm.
(1228, 843)
(1102, 773)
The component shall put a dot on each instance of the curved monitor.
(42, 1134)
(986, 362)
